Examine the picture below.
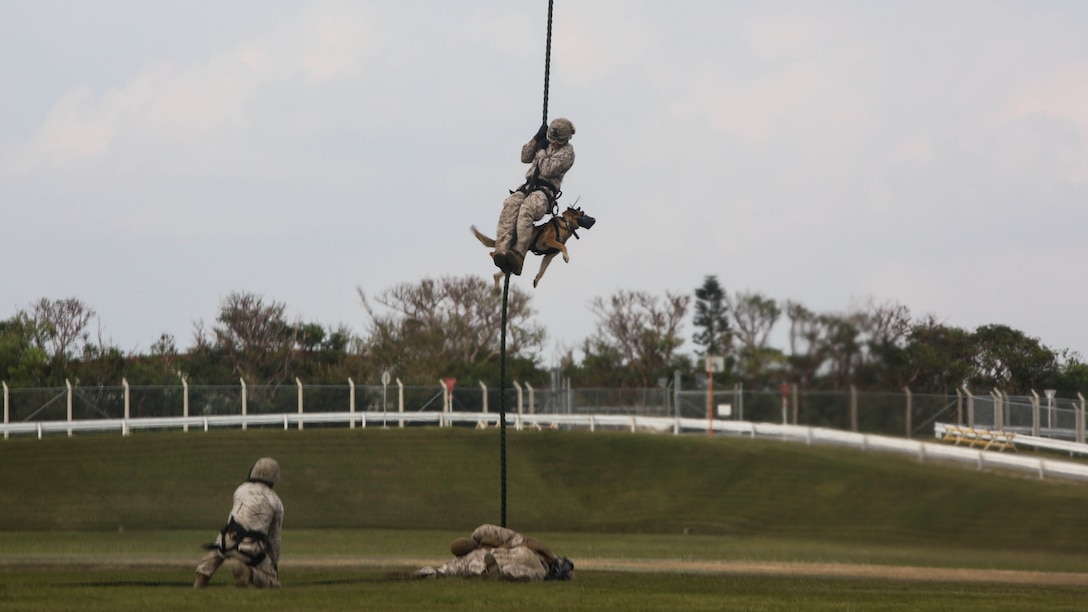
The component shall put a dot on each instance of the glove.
(541, 138)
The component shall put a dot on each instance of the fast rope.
(506, 294)
(502, 395)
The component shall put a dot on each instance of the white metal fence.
(922, 450)
(894, 414)
(877, 421)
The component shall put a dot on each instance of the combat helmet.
(560, 130)
(266, 470)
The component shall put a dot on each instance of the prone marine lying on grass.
(498, 552)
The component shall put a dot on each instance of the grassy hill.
(449, 479)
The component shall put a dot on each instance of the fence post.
(299, 383)
(676, 402)
(1035, 421)
(970, 408)
(959, 408)
(483, 389)
(784, 391)
(244, 408)
(1080, 431)
(185, 401)
(532, 399)
(5, 409)
(128, 397)
(676, 398)
(351, 402)
(794, 403)
(740, 400)
(518, 387)
(1004, 409)
(907, 391)
(853, 409)
(1003, 405)
(68, 384)
(400, 398)
(128, 414)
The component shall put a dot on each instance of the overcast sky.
(155, 156)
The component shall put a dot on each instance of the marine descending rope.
(506, 294)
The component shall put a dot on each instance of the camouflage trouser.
(264, 573)
(518, 563)
(519, 213)
(515, 556)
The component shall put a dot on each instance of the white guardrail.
(797, 433)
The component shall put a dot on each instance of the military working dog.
(549, 238)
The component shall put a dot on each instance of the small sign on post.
(717, 364)
(448, 384)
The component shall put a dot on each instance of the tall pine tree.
(712, 318)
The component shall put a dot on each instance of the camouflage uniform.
(252, 534)
(502, 553)
(549, 162)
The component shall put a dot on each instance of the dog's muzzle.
(586, 222)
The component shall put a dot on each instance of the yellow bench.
(984, 438)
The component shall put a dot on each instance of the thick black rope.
(502, 395)
(547, 63)
(506, 292)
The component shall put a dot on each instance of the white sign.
(715, 363)
(385, 377)
(725, 410)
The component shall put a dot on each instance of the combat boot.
(243, 575)
(501, 261)
(515, 262)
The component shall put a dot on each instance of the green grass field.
(653, 522)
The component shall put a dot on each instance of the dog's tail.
(487, 242)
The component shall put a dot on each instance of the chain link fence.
(900, 414)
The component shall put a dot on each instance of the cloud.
(80, 125)
(173, 102)
(334, 42)
(1049, 116)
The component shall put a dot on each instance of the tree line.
(450, 327)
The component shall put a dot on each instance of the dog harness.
(539, 184)
(236, 533)
(555, 223)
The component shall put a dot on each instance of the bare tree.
(888, 323)
(255, 337)
(807, 340)
(423, 327)
(59, 324)
(754, 317)
(844, 347)
(642, 330)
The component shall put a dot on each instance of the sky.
(157, 156)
